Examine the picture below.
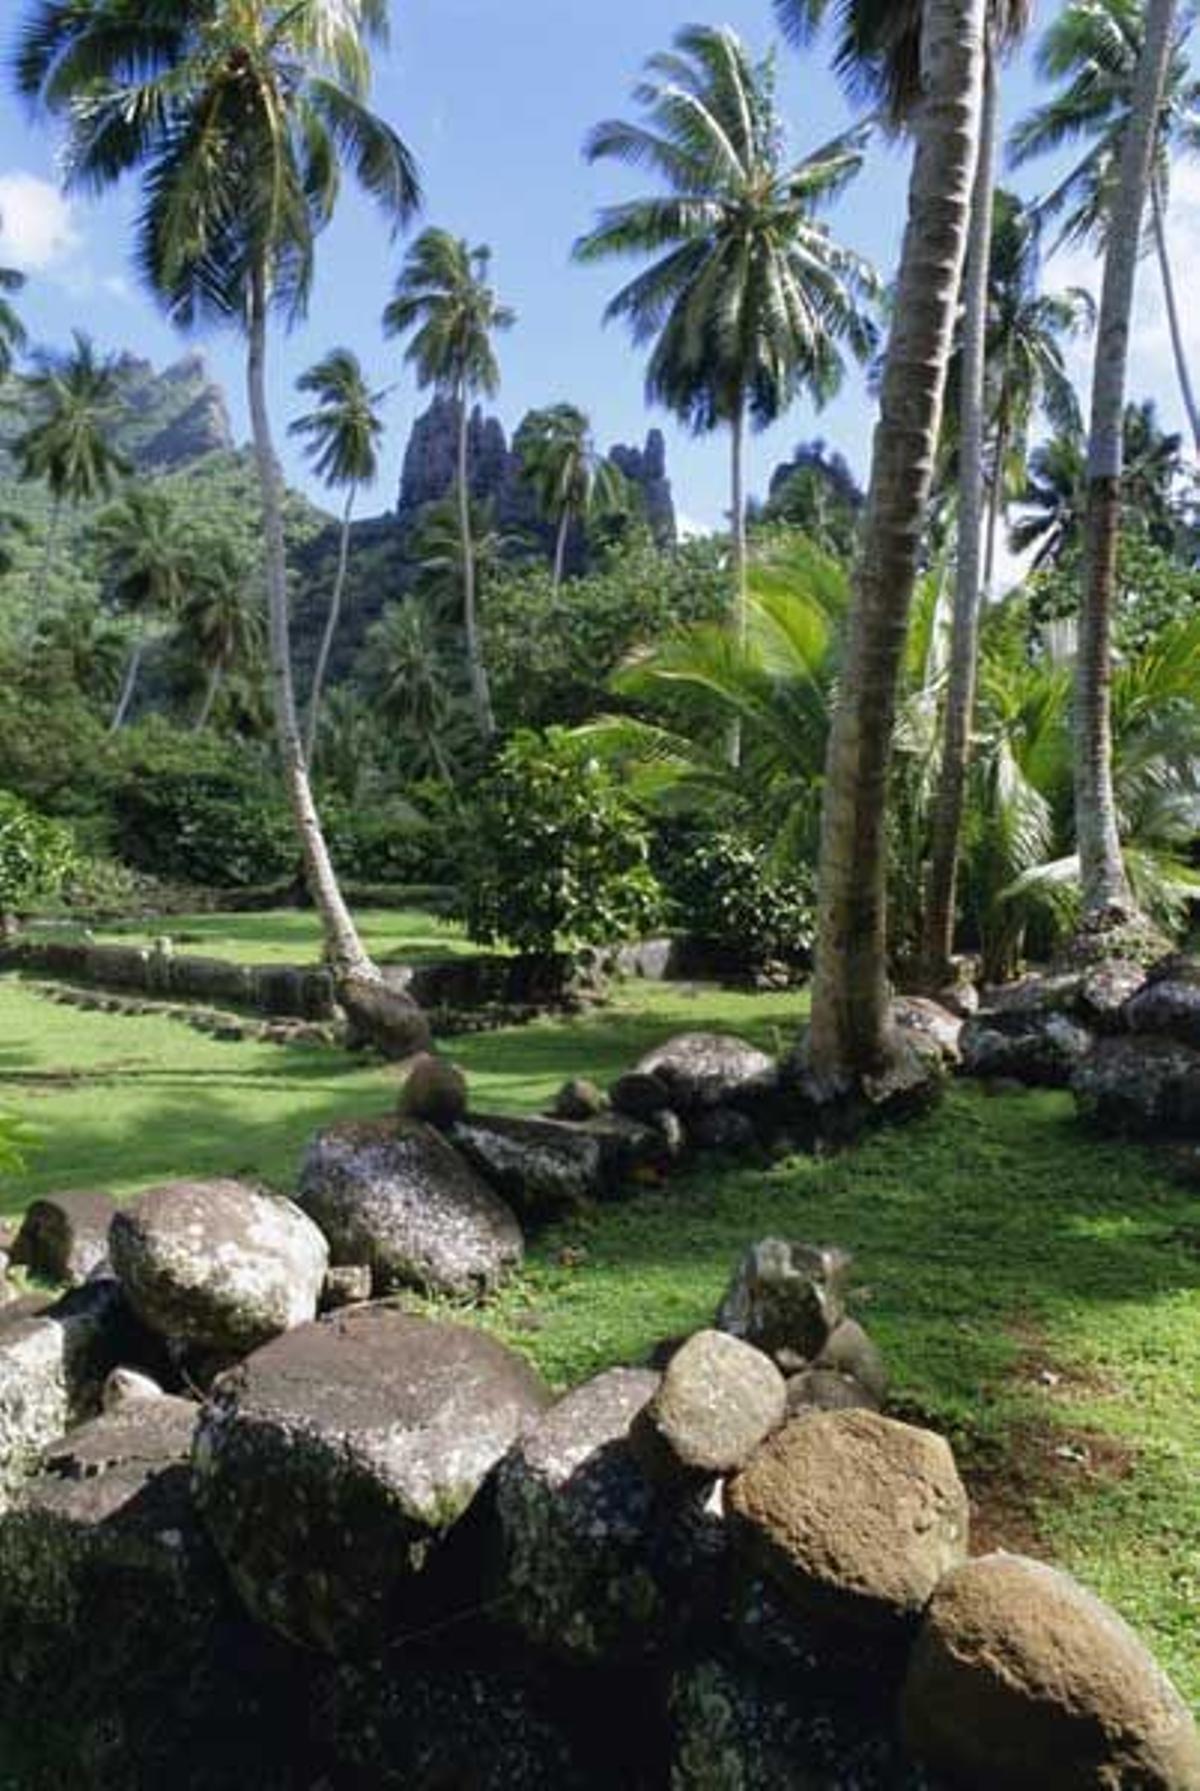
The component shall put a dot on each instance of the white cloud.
(689, 529)
(37, 228)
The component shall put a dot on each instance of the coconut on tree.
(341, 438)
(570, 479)
(239, 118)
(749, 300)
(445, 303)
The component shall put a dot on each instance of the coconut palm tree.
(12, 330)
(222, 624)
(151, 558)
(341, 438)
(749, 299)
(436, 549)
(569, 478)
(75, 401)
(413, 688)
(1092, 48)
(1053, 501)
(444, 300)
(850, 1036)
(1106, 895)
(239, 117)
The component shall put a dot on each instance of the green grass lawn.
(289, 935)
(1036, 1289)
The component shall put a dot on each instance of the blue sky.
(495, 100)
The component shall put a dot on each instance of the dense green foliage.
(37, 855)
(724, 887)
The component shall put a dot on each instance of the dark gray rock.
(723, 1129)
(64, 1237)
(541, 1167)
(702, 1070)
(1020, 1677)
(850, 1351)
(639, 1095)
(402, 1199)
(382, 1017)
(331, 1466)
(434, 1090)
(718, 1400)
(1168, 1007)
(632, 1151)
(1036, 1046)
(786, 1298)
(1142, 1086)
(217, 1264)
(827, 1390)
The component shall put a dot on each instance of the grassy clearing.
(292, 936)
(1036, 1290)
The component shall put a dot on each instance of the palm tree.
(222, 624)
(748, 299)
(1093, 48)
(341, 439)
(75, 400)
(1106, 895)
(12, 330)
(443, 298)
(238, 115)
(570, 479)
(436, 549)
(1053, 501)
(412, 687)
(151, 556)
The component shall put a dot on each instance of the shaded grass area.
(1036, 1289)
(289, 935)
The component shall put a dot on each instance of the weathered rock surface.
(579, 1525)
(1167, 1005)
(708, 1069)
(349, 1284)
(786, 1298)
(383, 1018)
(1104, 993)
(856, 1518)
(64, 1237)
(541, 1167)
(128, 1386)
(217, 1264)
(827, 1390)
(331, 1464)
(402, 1199)
(930, 1020)
(434, 1090)
(850, 1351)
(1021, 1678)
(723, 1129)
(579, 1099)
(1036, 1046)
(718, 1399)
(639, 1095)
(1141, 1085)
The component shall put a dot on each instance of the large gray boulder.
(786, 1298)
(1023, 1681)
(856, 1518)
(402, 1199)
(331, 1465)
(580, 1525)
(928, 1019)
(218, 1265)
(1144, 1086)
(718, 1400)
(64, 1237)
(1041, 1047)
(541, 1167)
(1168, 1003)
(708, 1069)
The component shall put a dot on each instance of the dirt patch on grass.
(1037, 1465)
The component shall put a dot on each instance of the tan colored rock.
(855, 1517)
(1021, 1680)
(434, 1090)
(718, 1400)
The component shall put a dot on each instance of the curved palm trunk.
(849, 1036)
(964, 635)
(1186, 388)
(737, 516)
(560, 550)
(996, 504)
(216, 673)
(344, 949)
(480, 694)
(128, 686)
(1105, 888)
(331, 622)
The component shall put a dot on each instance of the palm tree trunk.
(560, 550)
(480, 693)
(850, 1033)
(344, 949)
(996, 504)
(215, 675)
(51, 542)
(1168, 283)
(938, 945)
(1105, 889)
(331, 622)
(737, 521)
(128, 686)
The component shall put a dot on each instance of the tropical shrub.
(555, 853)
(37, 855)
(216, 828)
(723, 886)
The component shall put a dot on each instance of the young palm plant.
(570, 479)
(151, 557)
(341, 438)
(239, 117)
(749, 299)
(444, 301)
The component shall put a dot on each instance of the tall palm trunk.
(128, 686)
(331, 622)
(215, 675)
(964, 636)
(1105, 889)
(1187, 390)
(850, 1025)
(737, 521)
(344, 949)
(481, 695)
(560, 550)
(996, 504)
